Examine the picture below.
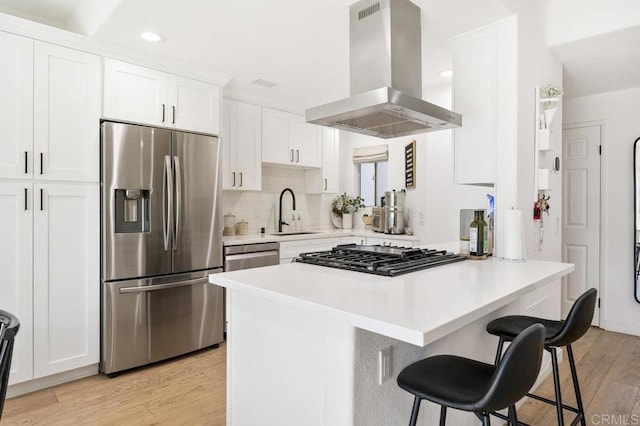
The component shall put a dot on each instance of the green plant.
(346, 204)
(550, 91)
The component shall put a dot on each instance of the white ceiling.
(301, 44)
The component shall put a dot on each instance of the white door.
(16, 108)
(581, 213)
(249, 147)
(193, 105)
(135, 93)
(67, 105)
(66, 277)
(16, 216)
(275, 137)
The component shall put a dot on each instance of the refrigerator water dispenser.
(132, 210)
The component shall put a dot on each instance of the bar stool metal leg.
(443, 415)
(499, 352)
(486, 421)
(414, 411)
(576, 387)
(513, 417)
(556, 385)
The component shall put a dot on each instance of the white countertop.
(416, 308)
(328, 233)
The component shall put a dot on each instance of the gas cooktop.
(379, 260)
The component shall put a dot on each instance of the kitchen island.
(303, 340)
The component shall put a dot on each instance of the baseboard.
(53, 380)
(621, 327)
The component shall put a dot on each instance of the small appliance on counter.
(377, 219)
(394, 211)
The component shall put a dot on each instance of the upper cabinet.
(144, 95)
(241, 134)
(67, 104)
(50, 117)
(475, 98)
(325, 180)
(288, 140)
(16, 108)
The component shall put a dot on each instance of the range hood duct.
(386, 76)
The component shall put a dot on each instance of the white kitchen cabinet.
(325, 180)
(475, 70)
(288, 140)
(66, 277)
(16, 269)
(67, 108)
(144, 95)
(49, 267)
(16, 108)
(241, 133)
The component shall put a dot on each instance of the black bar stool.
(558, 334)
(469, 385)
(9, 326)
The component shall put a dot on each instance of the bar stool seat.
(474, 386)
(557, 334)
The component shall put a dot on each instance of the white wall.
(433, 206)
(619, 111)
(571, 20)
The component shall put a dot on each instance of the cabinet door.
(228, 139)
(16, 108)
(330, 168)
(135, 93)
(306, 141)
(275, 137)
(16, 215)
(67, 104)
(249, 147)
(66, 277)
(193, 105)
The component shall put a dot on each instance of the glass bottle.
(478, 241)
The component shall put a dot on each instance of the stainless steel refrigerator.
(161, 238)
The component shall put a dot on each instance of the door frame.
(603, 212)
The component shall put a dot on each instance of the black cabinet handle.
(240, 179)
(26, 194)
(325, 184)
(163, 107)
(41, 163)
(173, 111)
(234, 178)
(26, 162)
(41, 199)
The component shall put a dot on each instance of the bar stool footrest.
(506, 418)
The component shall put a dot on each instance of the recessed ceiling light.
(265, 83)
(445, 73)
(151, 36)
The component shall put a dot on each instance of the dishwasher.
(247, 256)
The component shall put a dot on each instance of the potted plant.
(549, 98)
(344, 206)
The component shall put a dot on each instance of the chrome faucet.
(293, 197)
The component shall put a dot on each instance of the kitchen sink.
(285, 233)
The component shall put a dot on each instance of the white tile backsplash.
(260, 208)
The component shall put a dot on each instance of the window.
(373, 182)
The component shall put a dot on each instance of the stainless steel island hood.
(386, 76)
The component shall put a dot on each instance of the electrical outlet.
(384, 364)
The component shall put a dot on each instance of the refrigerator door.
(136, 195)
(153, 319)
(198, 202)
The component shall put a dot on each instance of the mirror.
(636, 218)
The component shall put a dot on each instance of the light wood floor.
(191, 390)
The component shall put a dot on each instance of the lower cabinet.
(291, 249)
(50, 273)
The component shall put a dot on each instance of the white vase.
(347, 220)
(548, 117)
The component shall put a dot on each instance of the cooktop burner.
(380, 260)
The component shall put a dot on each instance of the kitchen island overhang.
(298, 328)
